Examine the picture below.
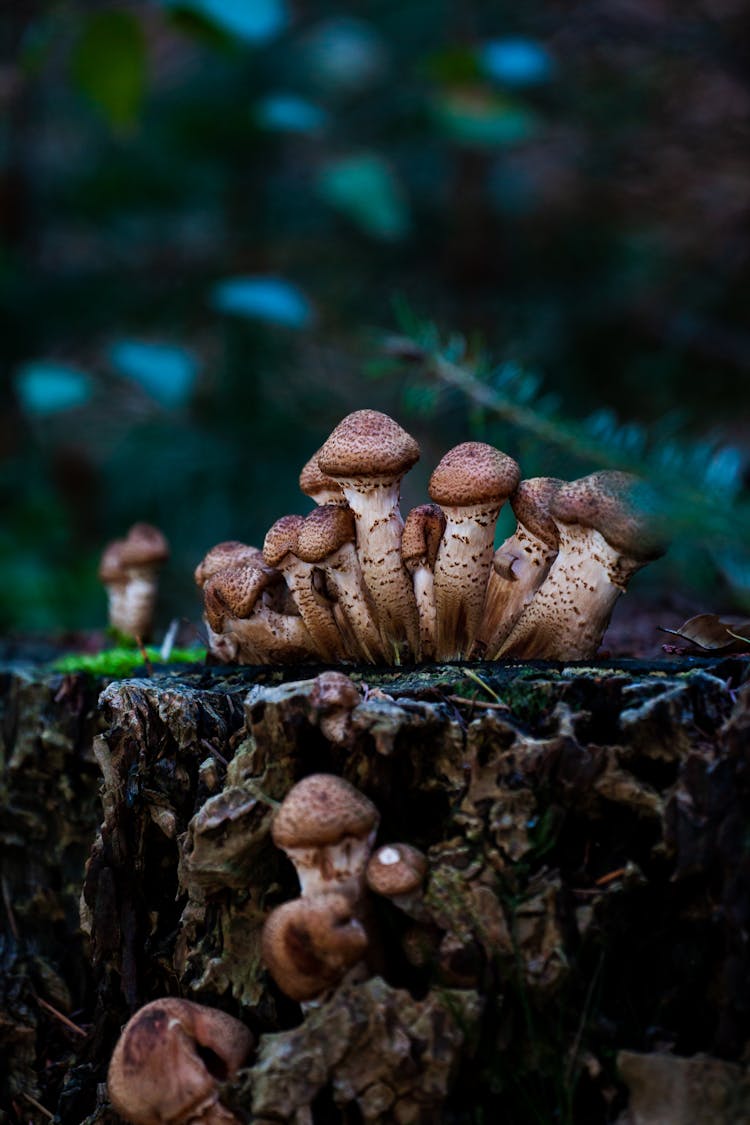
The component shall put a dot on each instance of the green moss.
(122, 661)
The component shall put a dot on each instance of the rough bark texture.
(587, 836)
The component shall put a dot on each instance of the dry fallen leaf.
(712, 632)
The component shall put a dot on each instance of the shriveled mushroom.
(320, 488)
(233, 605)
(520, 564)
(327, 828)
(423, 529)
(169, 1060)
(310, 944)
(397, 872)
(368, 454)
(129, 569)
(604, 540)
(280, 551)
(471, 484)
(326, 540)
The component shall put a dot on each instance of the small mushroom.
(604, 540)
(520, 564)
(326, 540)
(397, 872)
(310, 944)
(368, 454)
(334, 696)
(470, 484)
(327, 828)
(224, 556)
(169, 1061)
(320, 488)
(423, 530)
(233, 605)
(129, 569)
(279, 550)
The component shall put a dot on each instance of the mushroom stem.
(519, 568)
(462, 569)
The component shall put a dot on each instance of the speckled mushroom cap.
(281, 539)
(368, 444)
(313, 482)
(530, 503)
(396, 869)
(324, 531)
(605, 501)
(473, 473)
(224, 555)
(144, 545)
(423, 530)
(233, 592)
(322, 809)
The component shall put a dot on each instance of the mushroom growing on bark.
(604, 540)
(397, 872)
(129, 569)
(233, 605)
(224, 556)
(521, 564)
(470, 484)
(169, 1060)
(368, 454)
(327, 828)
(423, 530)
(326, 539)
(310, 944)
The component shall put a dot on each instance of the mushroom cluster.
(354, 582)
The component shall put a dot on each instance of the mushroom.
(129, 569)
(470, 484)
(333, 697)
(604, 540)
(521, 564)
(233, 605)
(326, 540)
(319, 487)
(327, 828)
(279, 550)
(169, 1061)
(423, 530)
(397, 872)
(368, 454)
(310, 944)
(224, 556)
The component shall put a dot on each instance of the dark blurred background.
(212, 211)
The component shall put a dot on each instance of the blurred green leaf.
(472, 116)
(109, 65)
(263, 298)
(165, 371)
(47, 388)
(365, 189)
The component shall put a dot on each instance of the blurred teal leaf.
(288, 113)
(345, 55)
(516, 61)
(109, 65)
(255, 21)
(471, 116)
(165, 371)
(46, 387)
(263, 298)
(364, 188)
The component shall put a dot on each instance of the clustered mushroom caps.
(351, 582)
(129, 570)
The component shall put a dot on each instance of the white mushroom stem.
(131, 602)
(315, 611)
(274, 637)
(462, 570)
(344, 577)
(569, 614)
(423, 580)
(519, 567)
(336, 867)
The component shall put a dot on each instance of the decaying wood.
(587, 891)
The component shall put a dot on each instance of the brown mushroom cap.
(224, 555)
(233, 592)
(368, 444)
(531, 506)
(473, 473)
(158, 1074)
(313, 481)
(606, 502)
(144, 545)
(322, 809)
(396, 869)
(423, 530)
(281, 539)
(333, 691)
(324, 531)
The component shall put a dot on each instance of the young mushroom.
(224, 556)
(470, 484)
(233, 601)
(368, 454)
(169, 1061)
(604, 540)
(397, 872)
(310, 944)
(320, 488)
(423, 529)
(129, 569)
(327, 828)
(520, 564)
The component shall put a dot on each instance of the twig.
(9, 909)
(478, 680)
(37, 1105)
(145, 656)
(169, 639)
(478, 703)
(609, 877)
(59, 1016)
